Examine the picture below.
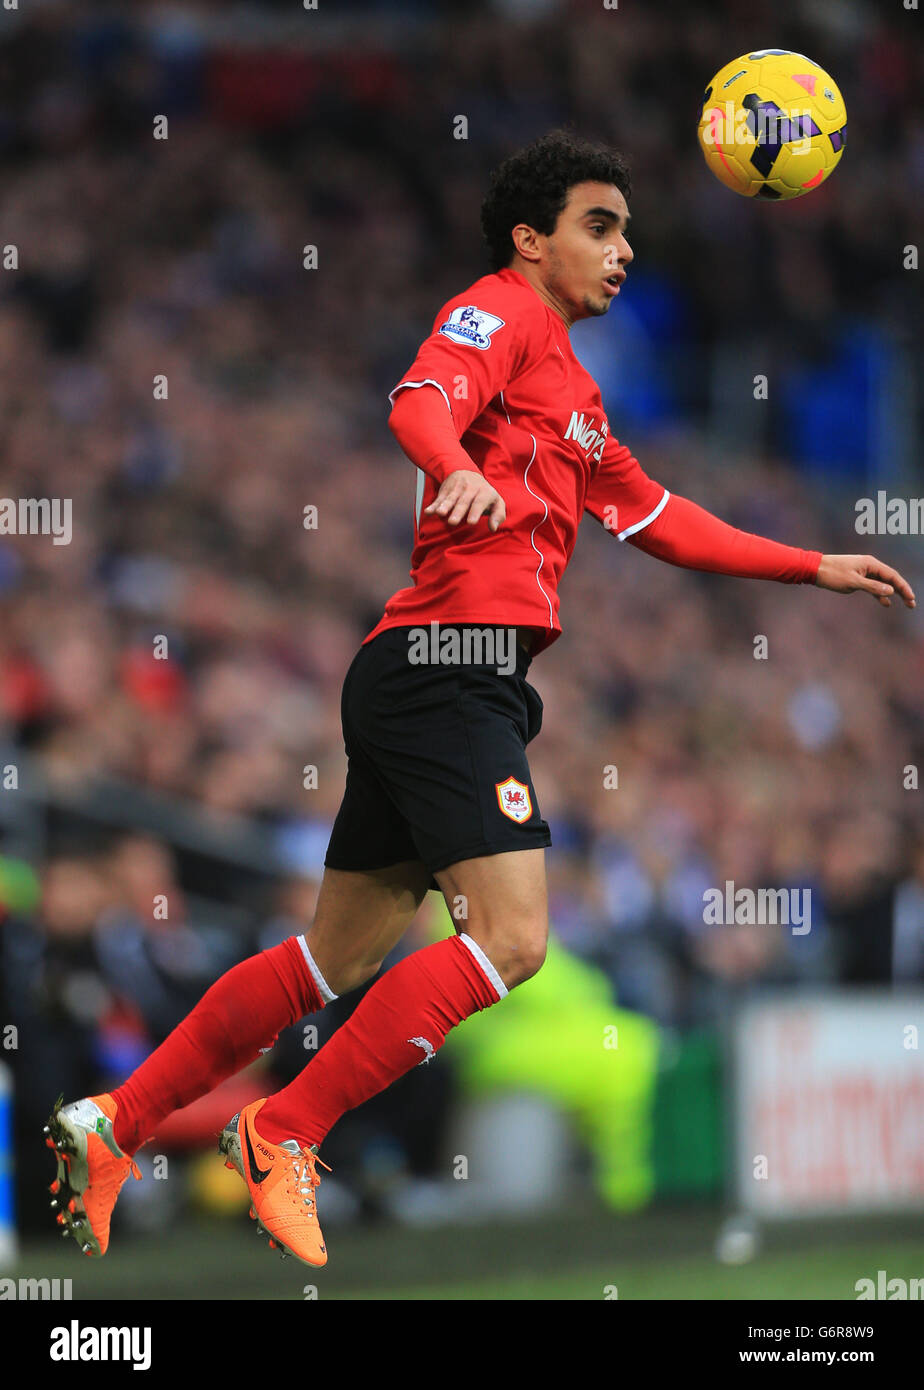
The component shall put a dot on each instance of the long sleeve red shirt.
(496, 388)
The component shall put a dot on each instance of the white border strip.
(631, 530)
(327, 994)
(413, 385)
(493, 977)
(532, 536)
(419, 496)
(421, 476)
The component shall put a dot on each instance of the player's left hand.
(844, 574)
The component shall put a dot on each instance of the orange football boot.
(91, 1169)
(281, 1179)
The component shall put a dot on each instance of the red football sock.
(239, 1017)
(399, 1023)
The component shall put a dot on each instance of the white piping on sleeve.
(421, 476)
(413, 385)
(631, 530)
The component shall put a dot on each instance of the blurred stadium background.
(155, 825)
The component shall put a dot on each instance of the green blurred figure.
(561, 1036)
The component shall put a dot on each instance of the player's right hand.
(467, 493)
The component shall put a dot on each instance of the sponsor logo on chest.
(588, 435)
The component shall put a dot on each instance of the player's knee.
(368, 969)
(353, 973)
(522, 961)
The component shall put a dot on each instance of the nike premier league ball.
(773, 124)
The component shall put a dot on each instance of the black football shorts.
(436, 759)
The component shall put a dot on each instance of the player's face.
(586, 256)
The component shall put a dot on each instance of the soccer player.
(512, 447)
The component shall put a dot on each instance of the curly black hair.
(532, 186)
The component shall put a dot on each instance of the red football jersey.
(532, 420)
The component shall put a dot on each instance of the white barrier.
(829, 1103)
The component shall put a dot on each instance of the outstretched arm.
(686, 534)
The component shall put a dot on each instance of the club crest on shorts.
(514, 800)
(472, 326)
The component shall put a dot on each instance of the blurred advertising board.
(828, 1103)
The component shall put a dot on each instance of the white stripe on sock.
(327, 994)
(487, 967)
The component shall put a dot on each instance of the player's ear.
(526, 241)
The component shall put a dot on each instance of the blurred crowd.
(170, 365)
